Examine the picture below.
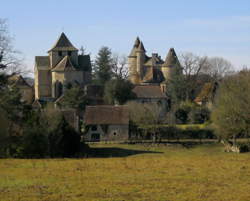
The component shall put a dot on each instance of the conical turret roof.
(171, 59)
(64, 65)
(137, 42)
(141, 47)
(135, 47)
(63, 44)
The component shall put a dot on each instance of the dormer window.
(60, 53)
(69, 53)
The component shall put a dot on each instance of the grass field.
(135, 172)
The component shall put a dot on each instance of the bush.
(64, 141)
(192, 132)
(190, 113)
(199, 115)
(181, 116)
(34, 143)
(182, 112)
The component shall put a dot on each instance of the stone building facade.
(27, 91)
(106, 123)
(62, 67)
(144, 69)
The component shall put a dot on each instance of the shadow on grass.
(116, 152)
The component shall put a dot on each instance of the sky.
(206, 28)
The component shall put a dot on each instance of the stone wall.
(42, 83)
(110, 133)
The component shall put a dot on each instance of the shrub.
(199, 115)
(34, 143)
(64, 141)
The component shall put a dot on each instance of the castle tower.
(63, 47)
(170, 65)
(140, 53)
(132, 60)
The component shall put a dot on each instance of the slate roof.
(141, 47)
(136, 45)
(42, 61)
(64, 65)
(148, 91)
(155, 59)
(106, 115)
(63, 44)
(171, 59)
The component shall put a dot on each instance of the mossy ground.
(137, 173)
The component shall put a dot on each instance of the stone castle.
(148, 70)
(61, 68)
(64, 67)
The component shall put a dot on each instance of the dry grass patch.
(157, 173)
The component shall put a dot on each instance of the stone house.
(61, 68)
(27, 92)
(106, 123)
(152, 94)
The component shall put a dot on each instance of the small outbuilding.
(106, 123)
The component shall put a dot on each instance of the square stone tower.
(63, 66)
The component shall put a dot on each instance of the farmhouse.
(106, 123)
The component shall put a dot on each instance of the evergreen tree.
(118, 91)
(74, 98)
(103, 66)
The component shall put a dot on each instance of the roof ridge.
(64, 64)
(63, 43)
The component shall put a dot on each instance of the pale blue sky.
(204, 27)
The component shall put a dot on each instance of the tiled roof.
(149, 91)
(106, 114)
(63, 44)
(64, 65)
(207, 92)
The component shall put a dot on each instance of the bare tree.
(217, 68)
(192, 66)
(10, 61)
(147, 116)
(120, 66)
(231, 111)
